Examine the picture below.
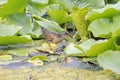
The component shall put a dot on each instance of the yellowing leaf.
(80, 23)
(5, 57)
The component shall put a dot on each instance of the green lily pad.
(13, 6)
(70, 4)
(51, 25)
(9, 30)
(90, 47)
(27, 26)
(110, 60)
(105, 27)
(107, 11)
(100, 46)
(87, 44)
(41, 10)
(6, 40)
(72, 50)
(60, 16)
(94, 48)
(19, 18)
(22, 51)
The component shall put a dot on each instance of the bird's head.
(65, 33)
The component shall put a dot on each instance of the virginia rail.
(53, 37)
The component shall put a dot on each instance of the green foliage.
(13, 6)
(80, 23)
(59, 16)
(108, 11)
(72, 50)
(90, 47)
(110, 60)
(39, 10)
(43, 58)
(51, 25)
(8, 35)
(105, 27)
(20, 21)
(68, 5)
(9, 30)
(111, 1)
(99, 47)
(104, 23)
(6, 40)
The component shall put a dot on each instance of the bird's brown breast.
(51, 36)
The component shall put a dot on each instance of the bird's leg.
(52, 50)
(50, 47)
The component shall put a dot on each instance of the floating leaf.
(72, 50)
(22, 51)
(70, 4)
(87, 44)
(107, 11)
(105, 27)
(27, 26)
(5, 40)
(41, 10)
(17, 19)
(94, 48)
(110, 60)
(90, 47)
(9, 30)
(51, 25)
(60, 16)
(13, 6)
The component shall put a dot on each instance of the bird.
(53, 37)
